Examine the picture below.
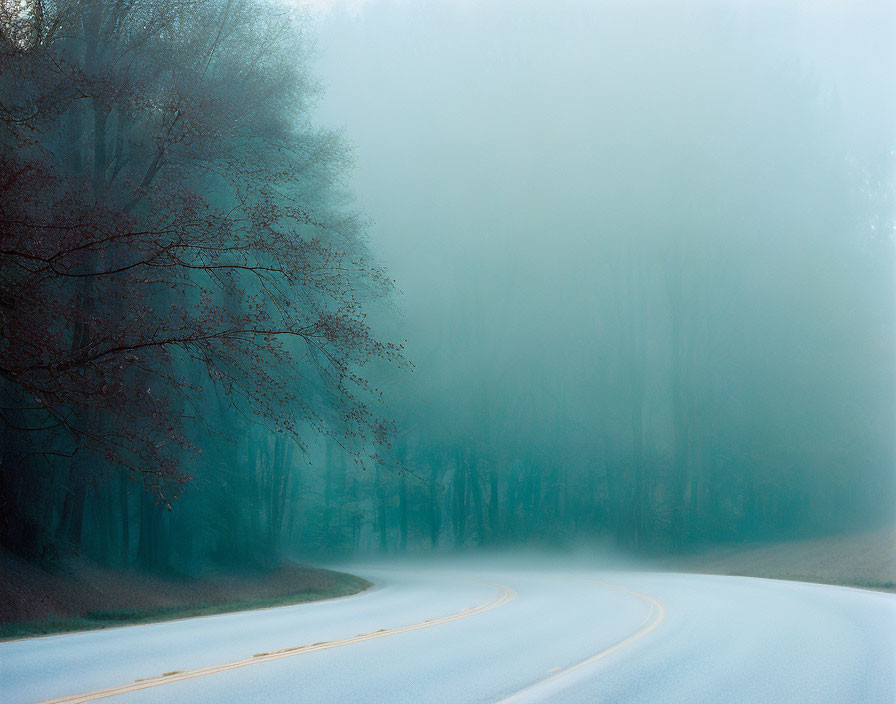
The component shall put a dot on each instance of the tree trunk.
(435, 518)
(459, 496)
(124, 511)
(403, 513)
(72, 523)
(380, 491)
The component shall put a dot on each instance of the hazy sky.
(464, 114)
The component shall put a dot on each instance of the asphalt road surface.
(427, 635)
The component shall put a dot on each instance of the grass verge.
(865, 560)
(37, 603)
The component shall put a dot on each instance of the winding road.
(458, 634)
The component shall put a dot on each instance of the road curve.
(492, 634)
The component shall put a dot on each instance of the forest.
(667, 320)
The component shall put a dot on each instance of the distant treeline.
(672, 319)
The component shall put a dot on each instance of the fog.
(644, 246)
(331, 278)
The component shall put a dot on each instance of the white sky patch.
(325, 7)
(818, 8)
(355, 8)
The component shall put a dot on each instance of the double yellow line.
(507, 594)
(654, 617)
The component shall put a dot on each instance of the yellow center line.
(507, 594)
(647, 625)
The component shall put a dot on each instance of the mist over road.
(493, 634)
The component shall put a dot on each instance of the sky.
(438, 97)
(847, 46)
